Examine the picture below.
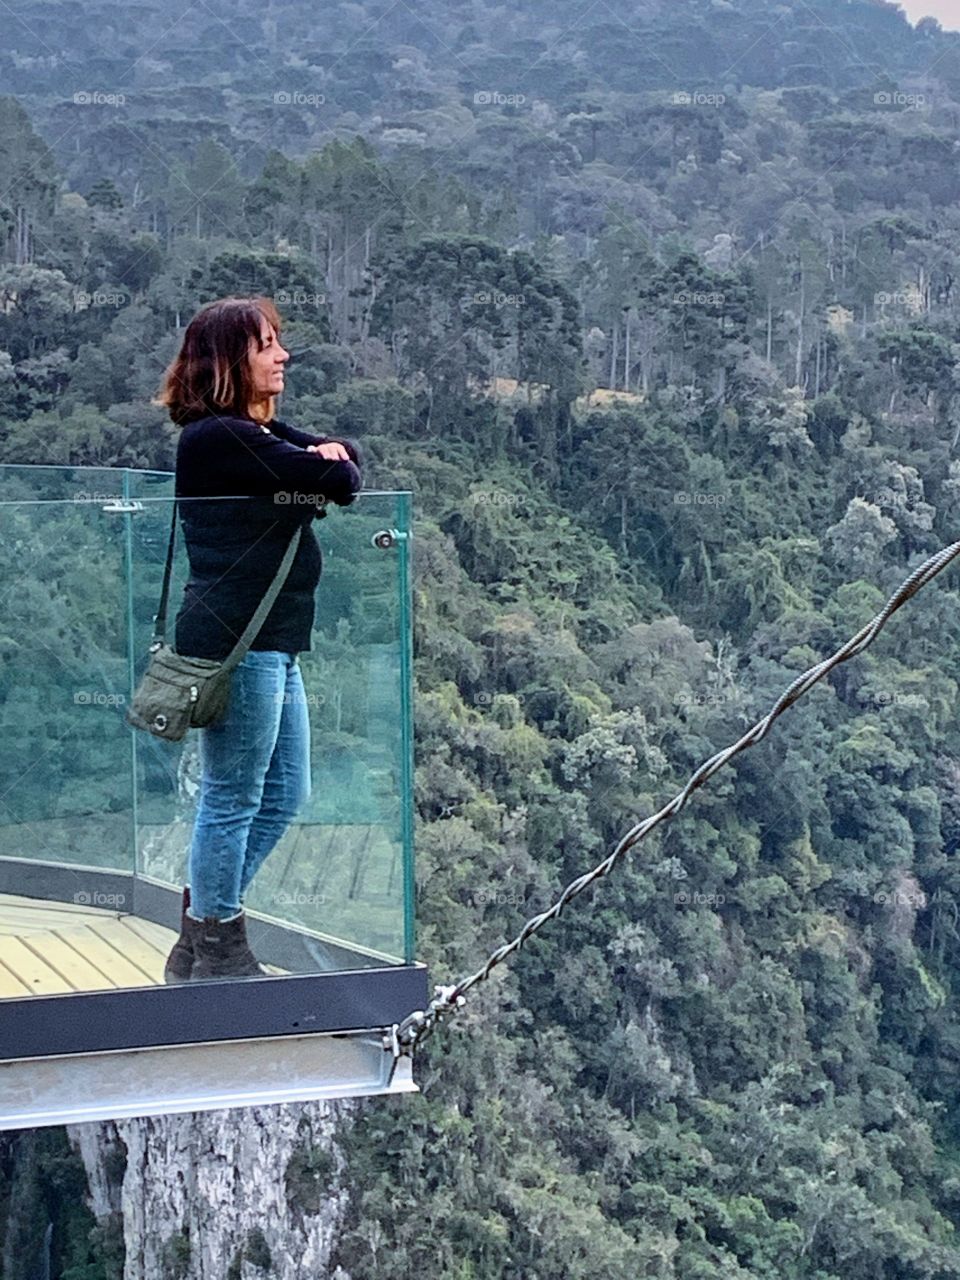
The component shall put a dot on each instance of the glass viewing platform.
(96, 820)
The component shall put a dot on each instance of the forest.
(738, 1056)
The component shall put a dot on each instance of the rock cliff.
(221, 1195)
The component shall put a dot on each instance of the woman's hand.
(331, 450)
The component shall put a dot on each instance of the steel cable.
(404, 1037)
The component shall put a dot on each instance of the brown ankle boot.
(180, 960)
(220, 949)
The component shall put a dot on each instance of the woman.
(221, 389)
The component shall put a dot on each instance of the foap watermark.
(299, 498)
(484, 698)
(705, 698)
(903, 101)
(295, 98)
(283, 698)
(100, 298)
(890, 499)
(97, 898)
(497, 898)
(495, 298)
(683, 98)
(494, 98)
(683, 498)
(84, 495)
(903, 298)
(294, 898)
(884, 699)
(691, 298)
(915, 899)
(98, 698)
(98, 98)
(694, 898)
(299, 298)
(496, 498)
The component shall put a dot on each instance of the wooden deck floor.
(48, 948)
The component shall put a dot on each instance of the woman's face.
(266, 365)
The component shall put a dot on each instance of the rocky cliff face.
(221, 1195)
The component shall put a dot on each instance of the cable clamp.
(391, 1041)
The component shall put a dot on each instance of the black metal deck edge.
(220, 1009)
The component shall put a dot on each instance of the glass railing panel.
(339, 873)
(65, 757)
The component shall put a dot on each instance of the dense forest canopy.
(740, 1055)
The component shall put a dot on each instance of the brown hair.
(210, 375)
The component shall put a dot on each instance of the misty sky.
(948, 11)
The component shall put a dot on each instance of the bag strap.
(160, 617)
(262, 609)
(265, 605)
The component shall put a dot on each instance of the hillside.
(737, 1057)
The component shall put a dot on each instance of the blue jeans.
(255, 777)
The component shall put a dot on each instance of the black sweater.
(235, 546)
